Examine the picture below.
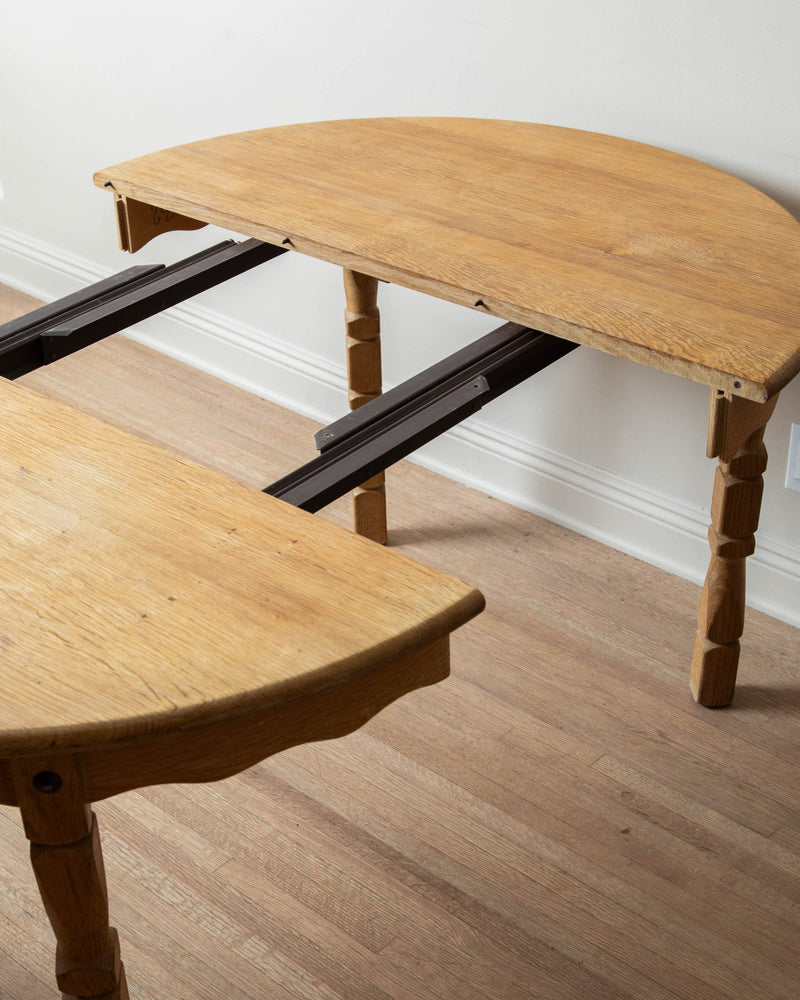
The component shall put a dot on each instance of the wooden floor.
(556, 820)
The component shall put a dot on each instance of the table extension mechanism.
(352, 449)
(116, 303)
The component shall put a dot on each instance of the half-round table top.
(143, 594)
(631, 249)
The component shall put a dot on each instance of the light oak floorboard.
(556, 820)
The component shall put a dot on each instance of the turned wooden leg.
(736, 433)
(68, 864)
(364, 383)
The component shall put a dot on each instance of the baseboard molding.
(655, 528)
(658, 529)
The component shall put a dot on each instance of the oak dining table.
(601, 241)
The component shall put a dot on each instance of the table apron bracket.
(392, 426)
(116, 303)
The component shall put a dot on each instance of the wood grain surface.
(631, 249)
(142, 593)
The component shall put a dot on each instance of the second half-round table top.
(628, 248)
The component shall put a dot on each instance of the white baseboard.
(657, 529)
(650, 526)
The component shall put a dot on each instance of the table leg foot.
(120, 992)
(369, 510)
(714, 667)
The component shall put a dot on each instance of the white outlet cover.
(793, 465)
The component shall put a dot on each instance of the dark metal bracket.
(354, 448)
(116, 303)
(381, 432)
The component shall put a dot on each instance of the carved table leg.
(68, 864)
(736, 432)
(364, 383)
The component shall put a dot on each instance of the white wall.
(614, 450)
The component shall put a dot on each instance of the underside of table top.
(631, 249)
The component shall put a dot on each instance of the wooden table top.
(630, 249)
(141, 593)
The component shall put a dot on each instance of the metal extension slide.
(353, 448)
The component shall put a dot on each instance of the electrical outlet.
(793, 465)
